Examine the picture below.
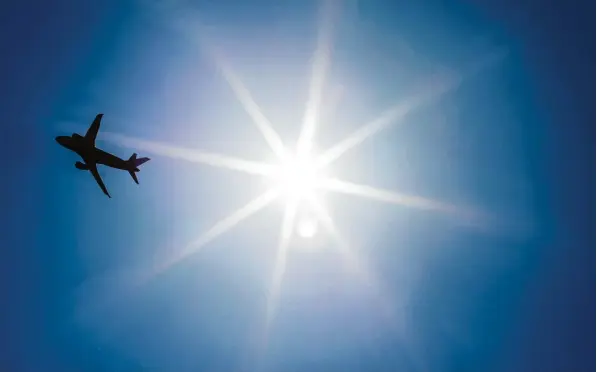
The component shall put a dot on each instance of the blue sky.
(512, 138)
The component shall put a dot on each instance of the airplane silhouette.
(84, 146)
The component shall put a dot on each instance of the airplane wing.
(98, 179)
(94, 128)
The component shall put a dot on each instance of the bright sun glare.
(298, 174)
(296, 177)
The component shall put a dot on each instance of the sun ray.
(319, 68)
(191, 25)
(132, 278)
(216, 230)
(393, 197)
(176, 152)
(355, 263)
(391, 312)
(280, 263)
(393, 115)
(433, 89)
(244, 97)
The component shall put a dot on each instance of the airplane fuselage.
(91, 154)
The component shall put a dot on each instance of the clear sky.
(500, 119)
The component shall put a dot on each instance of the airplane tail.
(134, 163)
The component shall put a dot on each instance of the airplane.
(84, 146)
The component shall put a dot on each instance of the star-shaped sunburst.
(300, 172)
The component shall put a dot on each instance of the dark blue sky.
(516, 139)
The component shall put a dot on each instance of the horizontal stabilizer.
(132, 173)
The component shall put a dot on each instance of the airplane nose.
(60, 140)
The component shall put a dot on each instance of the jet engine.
(81, 166)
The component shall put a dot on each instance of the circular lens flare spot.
(306, 228)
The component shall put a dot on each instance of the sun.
(296, 177)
